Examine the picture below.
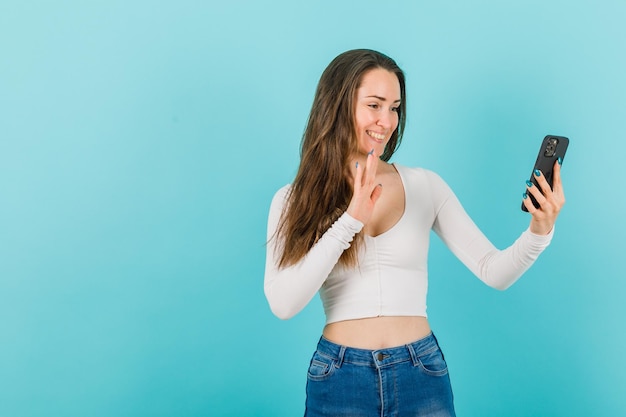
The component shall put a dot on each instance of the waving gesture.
(366, 190)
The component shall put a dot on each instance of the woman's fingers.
(557, 185)
(548, 197)
(550, 200)
(529, 204)
(378, 190)
(371, 165)
(366, 191)
(543, 183)
(556, 175)
(533, 190)
(358, 176)
(366, 177)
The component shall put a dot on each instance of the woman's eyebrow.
(382, 98)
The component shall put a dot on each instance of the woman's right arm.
(289, 289)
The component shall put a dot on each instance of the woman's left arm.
(496, 268)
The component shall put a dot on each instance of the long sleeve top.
(391, 278)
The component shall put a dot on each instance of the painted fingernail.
(560, 161)
(537, 173)
(371, 152)
(357, 164)
(380, 185)
(525, 196)
(530, 184)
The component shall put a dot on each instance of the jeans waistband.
(378, 357)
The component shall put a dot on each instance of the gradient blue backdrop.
(141, 143)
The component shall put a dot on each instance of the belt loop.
(342, 352)
(438, 347)
(413, 355)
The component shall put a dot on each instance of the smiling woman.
(323, 189)
(376, 114)
(356, 228)
(376, 118)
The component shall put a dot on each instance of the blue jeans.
(409, 380)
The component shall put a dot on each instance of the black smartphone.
(552, 148)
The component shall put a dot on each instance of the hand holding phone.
(552, 148)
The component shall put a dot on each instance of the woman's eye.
(373, 106)
(395, 109)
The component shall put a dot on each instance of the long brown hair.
(322, 189)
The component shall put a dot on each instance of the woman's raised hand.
(366, 190)
(550, 200)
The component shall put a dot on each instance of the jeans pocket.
(321, 367)
(433, 363)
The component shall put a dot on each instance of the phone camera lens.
(551, 147)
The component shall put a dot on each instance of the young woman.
(356, 228)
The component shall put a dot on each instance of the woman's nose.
(385, 120)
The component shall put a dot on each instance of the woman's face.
(376, 112)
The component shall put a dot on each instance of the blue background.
(141, 144)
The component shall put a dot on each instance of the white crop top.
(391, 278)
